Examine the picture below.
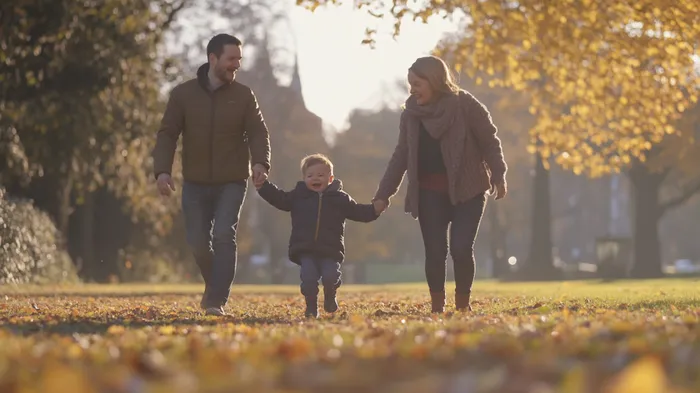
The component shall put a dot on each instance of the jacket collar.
(203, 77)
(335, 186)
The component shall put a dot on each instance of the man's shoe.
(311, 307)
(203, 302)
(216, 311)
(330, 304)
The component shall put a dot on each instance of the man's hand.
(379, 206)
(501, 189)
(165, 184)
(259, 175)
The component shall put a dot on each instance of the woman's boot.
(437, 300)
(462, 302)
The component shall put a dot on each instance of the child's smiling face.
(317, 177)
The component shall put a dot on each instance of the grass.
(626, 336)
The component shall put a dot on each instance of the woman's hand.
(379, 206)
(500, 188)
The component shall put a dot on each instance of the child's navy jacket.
(318, 218)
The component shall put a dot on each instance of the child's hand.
(379, 206)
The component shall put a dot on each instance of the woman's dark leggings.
(435, 213)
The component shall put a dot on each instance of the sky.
(339, 73)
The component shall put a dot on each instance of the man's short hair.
(217, 43)
(315, 159)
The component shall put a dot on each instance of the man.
(223, 133)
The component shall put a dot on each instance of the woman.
(449, 148)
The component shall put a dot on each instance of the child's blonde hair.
(315, 159)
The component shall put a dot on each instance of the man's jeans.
(211, 221)
(313, 269)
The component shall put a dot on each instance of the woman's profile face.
(420, 88)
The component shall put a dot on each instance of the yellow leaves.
(592, 17)
(166, 330)
(574, 381)
(652, 51)
(589, 81)
(267, 344)
(60, 378)
(580, 110)
(532, 74)
(357, 320)
(645, 375)
(295, 348)
(116, 330)
(672, 50)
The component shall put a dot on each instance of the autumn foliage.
(607, 79)
(572, 337)
(28, 251)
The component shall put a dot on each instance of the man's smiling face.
(226, 65)
(317, 177)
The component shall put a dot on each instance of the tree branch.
(172, 13)
(685, 195)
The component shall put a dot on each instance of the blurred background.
(83, 86)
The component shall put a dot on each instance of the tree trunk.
(64, 206)
(88, 237)
(647, 214)
(497, 240)
(540, 264)
(113, 229)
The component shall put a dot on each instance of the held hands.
(165, 184)
(259, 175)
(379, 206)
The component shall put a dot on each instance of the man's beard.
(221, 74)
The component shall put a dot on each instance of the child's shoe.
(330, 304)
(311, 307)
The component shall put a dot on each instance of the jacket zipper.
(318, 216)
(211, 136)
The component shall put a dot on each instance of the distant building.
(294, 132)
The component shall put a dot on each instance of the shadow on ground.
(101, 327)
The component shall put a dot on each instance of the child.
(319, 208)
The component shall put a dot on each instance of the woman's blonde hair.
(434, 70)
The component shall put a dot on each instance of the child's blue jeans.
(313, 269)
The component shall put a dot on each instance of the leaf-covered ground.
(626, 336)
